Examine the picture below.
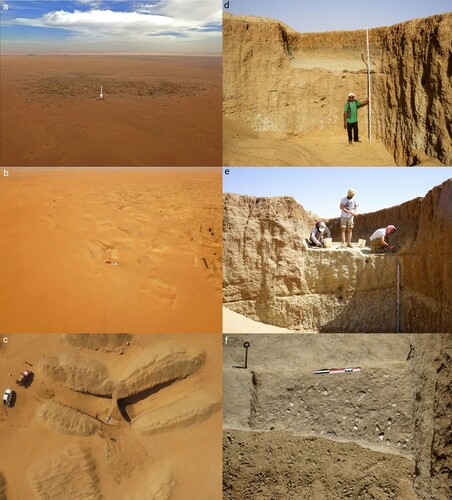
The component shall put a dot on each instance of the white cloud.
(179, 21)
(203, 11)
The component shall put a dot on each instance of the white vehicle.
(7, 397)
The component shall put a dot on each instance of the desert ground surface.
(284, 94)
(156, 110)
(112, 416)
(374, 434)
(243, 146)
(111, 251)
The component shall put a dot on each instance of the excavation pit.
(272, 276)
(284, 93)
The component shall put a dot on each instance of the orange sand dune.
(110, 251)
(156, 110)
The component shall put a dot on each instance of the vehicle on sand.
(7, 397)
(23, 378)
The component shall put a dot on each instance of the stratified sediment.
(283, 83)
(271, 275)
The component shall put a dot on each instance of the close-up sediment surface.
(271, 275)
(377, 433)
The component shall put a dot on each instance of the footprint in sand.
(146, 261)
(99, 250)
(160, 290)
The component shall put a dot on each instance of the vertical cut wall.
(287, 83)
(270, 276)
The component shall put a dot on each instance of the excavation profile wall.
(278, 81)
(395, 408)
(270, 275)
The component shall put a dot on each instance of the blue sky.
(168, 26)
(320, 189)
(330, 15)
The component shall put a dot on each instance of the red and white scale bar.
(325, 371)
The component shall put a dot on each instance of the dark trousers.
(354, 127)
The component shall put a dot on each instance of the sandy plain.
(168, 447)
(156, 110)
(110, 251)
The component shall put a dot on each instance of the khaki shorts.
(347, 221)
(376, 246)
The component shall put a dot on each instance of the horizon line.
(185, 54)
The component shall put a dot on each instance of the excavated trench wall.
(424, 237)
(374, 407)
(271, 276)
(399, 403)
(281, 82)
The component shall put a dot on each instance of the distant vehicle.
(23, 377)
(7, 397)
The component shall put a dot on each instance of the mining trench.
(123, 403)
(284, 93)
(272, 276)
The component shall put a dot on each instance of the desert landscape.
(272, 276)
(110, 250)
(379, 433)
(284, 93)
(154, 110)
(111, 416)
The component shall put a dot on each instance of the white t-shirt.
(349, 205)
(378, 234)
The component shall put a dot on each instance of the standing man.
(348, 210)
(351, 117)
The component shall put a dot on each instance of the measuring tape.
(337, 370)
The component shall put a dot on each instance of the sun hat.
(351, 192)
(322, 227)
(351, 94)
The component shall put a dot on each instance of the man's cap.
(351, 192)
(351, 94)
(390, 229)
(322, 227)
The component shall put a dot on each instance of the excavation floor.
(242, 147)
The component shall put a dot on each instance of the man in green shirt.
(351, 116)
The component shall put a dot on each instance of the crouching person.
(378, 243)
(318, 233)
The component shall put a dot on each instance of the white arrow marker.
(101, 95)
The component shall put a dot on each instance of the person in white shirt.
(378, 244)
(348, 208)
(318, 233)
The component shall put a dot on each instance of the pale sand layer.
(242, 146)
(110, 251)
(156, 110)
(237, 323)
(72, 455)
